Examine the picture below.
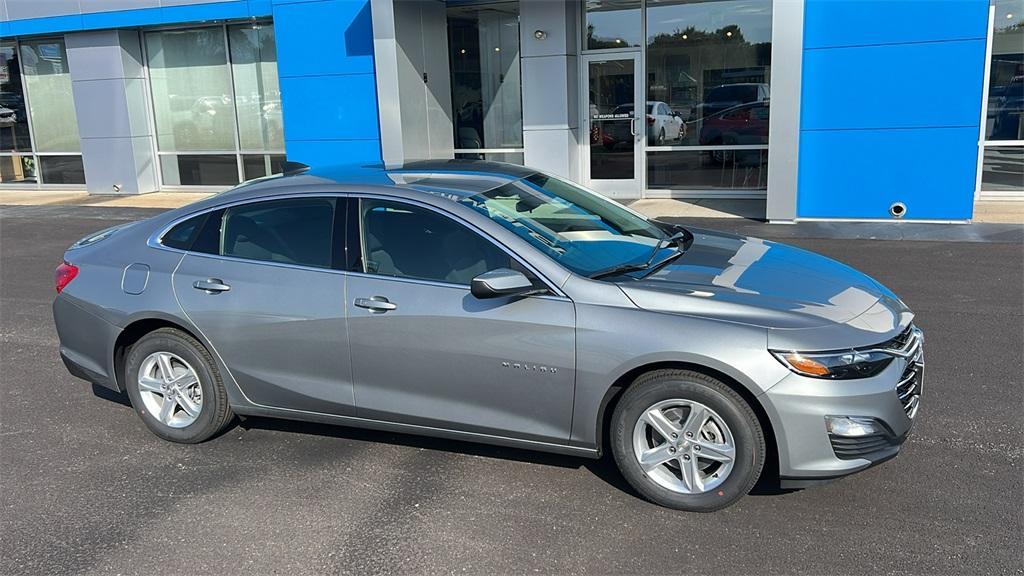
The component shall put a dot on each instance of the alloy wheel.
(170, 389)
(684, 446)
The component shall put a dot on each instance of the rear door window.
(291, 231)
(296, 231)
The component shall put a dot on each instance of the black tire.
(215, 411)
(661, 385)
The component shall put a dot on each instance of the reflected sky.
(752, 17)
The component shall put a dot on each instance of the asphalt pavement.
(85, 488)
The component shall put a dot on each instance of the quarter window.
(406, 241)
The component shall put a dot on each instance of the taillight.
(650, 119)
(64, 274)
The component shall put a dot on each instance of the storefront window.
(612, 24)
(216, 103)
(38, 128)
(1003, 151)
(483, 43)
(191, 83)
(708, 68)
(13, 112)
(257, 91)
(48, 84)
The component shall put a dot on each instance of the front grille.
(860, 447)
(900, 342)
(911, 381)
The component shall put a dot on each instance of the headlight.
(844, 365)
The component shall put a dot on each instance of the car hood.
(767, 284)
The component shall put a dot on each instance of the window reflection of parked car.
(12, 108)
(8, 117)
(663, 124)
(740, 125)
(204, 117)
(723, 97)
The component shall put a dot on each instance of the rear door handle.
(211, 285)
(375, 304)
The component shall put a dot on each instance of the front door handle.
(632, 127)
(375, 304)
(211, 285)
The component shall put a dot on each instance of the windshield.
(584, 232)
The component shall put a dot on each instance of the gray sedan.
(494, 303)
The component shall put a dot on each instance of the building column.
(550, 84)
(108, 87)
(784, 122)
(410, 41)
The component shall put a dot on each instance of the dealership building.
(827, 109)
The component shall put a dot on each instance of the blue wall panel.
(893, 86)
(330, 107)
(860, 173)
(832, 23)
(325, 37)
(328, 86)
(891, 105)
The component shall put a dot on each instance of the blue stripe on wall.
(891, 105)
(231, 9)
(328, 85)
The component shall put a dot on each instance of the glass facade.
(216, 104)
(710, 63)
(1002, 168)
(39, 141)
(707, 82)
(483, 42)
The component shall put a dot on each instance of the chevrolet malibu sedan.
(494, 303)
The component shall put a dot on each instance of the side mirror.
(501, 282)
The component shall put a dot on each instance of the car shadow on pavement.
(604, 467)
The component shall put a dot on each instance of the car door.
(261, 285)
(425, 351)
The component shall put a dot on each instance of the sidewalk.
(1003, 212)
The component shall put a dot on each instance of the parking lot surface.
(85, 488)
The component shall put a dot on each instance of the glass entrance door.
(613, 126)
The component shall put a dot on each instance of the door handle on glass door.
(375, 304)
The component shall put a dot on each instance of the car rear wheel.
(174, 386)
(687, 441)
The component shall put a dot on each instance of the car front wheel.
(687, 441)
(174, 386)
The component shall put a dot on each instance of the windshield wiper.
(616, 270)
(634, 267)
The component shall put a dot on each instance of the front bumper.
(798, 407)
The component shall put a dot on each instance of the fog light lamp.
(852, 426)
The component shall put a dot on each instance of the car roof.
(460, 178)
